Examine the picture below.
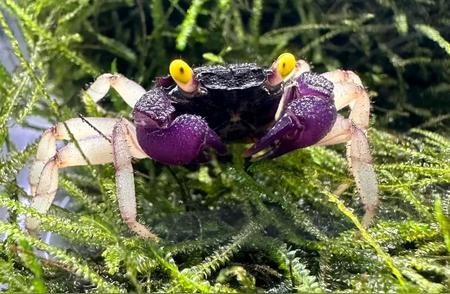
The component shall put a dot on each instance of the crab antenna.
(281, 69)
(183, 75)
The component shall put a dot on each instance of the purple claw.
(181, 141)
(279, 139)
(308, 84)
(309, 116)
(312, 84)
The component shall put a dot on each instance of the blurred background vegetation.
(271, 226)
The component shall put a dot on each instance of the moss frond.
(72, 263)
(189, 23)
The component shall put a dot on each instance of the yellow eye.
(180, 71)
(285, 64)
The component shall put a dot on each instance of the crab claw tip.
(279, 140)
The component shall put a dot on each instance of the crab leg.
(343, 76)
(360, 162)
(47, 145)
(348, 90)
(45, 183)
(129, 90)
(122, 133)
(98, 150)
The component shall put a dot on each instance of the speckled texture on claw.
(304, 122)
(309, 84)
(153, 110)
(309, 116)
(183, 142)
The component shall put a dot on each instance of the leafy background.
(286, 225)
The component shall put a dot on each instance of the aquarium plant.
(290, 224)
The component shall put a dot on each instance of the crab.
(192, 112)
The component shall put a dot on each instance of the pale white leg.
(343, 76)
(348, 90)
(357, 99)
(125, 180)
(359, 160)
(361, 165)
(339, 133)
(129, 90)
(98, 150)
(79, 129)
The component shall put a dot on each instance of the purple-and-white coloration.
(183, 120)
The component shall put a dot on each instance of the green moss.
(230, 226)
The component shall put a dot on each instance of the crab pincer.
(175, 141)
(308, 115)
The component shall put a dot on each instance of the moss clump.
(227, 226)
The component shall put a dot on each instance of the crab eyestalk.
(183, 75)
(281, 69)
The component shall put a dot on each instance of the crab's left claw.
(308, 117)
(282, 138)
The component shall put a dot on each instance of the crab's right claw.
(176, 141)
(187, 139)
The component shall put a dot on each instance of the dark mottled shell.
(231, 77)
(235, 103)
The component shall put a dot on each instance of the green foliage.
(189, 23)
(285, 225)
